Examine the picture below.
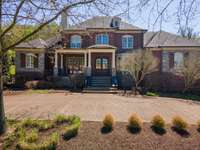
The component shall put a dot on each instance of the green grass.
(181, 95)
(151, 94)
(38, 91)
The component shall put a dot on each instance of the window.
(30, 60)
(98, 63)
(178, 59)
(102, 39)
(127, 42)
(75, 41)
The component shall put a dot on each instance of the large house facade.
(96, 46)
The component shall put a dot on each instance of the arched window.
(75, 41)
(127, 42)
(102, 39)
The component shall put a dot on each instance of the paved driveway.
(95, 106)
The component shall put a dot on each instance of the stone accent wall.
(41, 63)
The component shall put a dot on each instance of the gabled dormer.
(115, 23)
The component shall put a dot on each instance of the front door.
(101, 64)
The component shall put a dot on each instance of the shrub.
(78, 81)
(151, 94)
(72, 130)
(158, 122)
(125, 80)
(108, 121)
(135, 122)
(38, 84)
(59, 119)
(9, 140)
(179, 123)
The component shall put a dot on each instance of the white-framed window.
(127, 42)
(30, 60)
(102, 39)
(75, 41)
(178, 59)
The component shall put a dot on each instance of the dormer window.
(102, 39)
(75, 41)
(116, 22)
(127, 42)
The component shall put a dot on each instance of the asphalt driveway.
(93, 107)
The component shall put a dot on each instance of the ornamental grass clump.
(198, 125)
(179, 123)
(72, 130)
(135, 123)
(108, 122)
(60, 119)
(158, 124)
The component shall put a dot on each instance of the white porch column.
(56, 65)
(61, 61)
(85, 59)
(113, 64)
(89, 64)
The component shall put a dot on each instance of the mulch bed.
(90, 137)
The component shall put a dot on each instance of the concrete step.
(100, 90)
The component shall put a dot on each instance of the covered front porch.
(97, 60)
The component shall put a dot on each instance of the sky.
(145, 17)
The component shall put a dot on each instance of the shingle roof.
(40, 43)
(37, 43)
(102, 22)
(166, 39)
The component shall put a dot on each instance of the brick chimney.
(64, 20)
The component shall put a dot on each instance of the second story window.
(102, 39)
(75, 41)
(127, 42)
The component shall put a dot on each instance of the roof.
(40, 43)
(166, 39)
(37, 43)
(102, 22)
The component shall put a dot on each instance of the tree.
(139, 64)
(188, 33)
(15, 14)
(190, 71)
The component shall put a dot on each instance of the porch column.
(89, 64)
(61, 61)
(55, 70)
(85, 59)
(113, 64)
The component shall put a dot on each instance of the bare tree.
(190, 71)
(139, 64)
(188, 32)
(40, 13)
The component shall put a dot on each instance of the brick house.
(95, 46)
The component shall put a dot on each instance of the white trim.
(126, 37)
(29, 60)
(75, 39)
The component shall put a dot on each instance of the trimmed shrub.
(59, 119)
(125, 80)
(38, 84)
(158, 122)
(108, 121)
(179, 123)
(78, 81)
(135, 122)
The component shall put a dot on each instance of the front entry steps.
(100, 84)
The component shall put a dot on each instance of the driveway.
(93, 107)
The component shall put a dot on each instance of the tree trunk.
(2, 113)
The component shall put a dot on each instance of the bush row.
(158, 124)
